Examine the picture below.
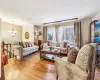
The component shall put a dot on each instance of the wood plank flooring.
(32, 68)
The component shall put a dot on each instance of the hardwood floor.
(32, 68)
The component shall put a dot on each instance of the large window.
(66, 33)
(50, 34)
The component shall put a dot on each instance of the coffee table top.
(53, 51)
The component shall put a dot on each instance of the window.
(66, 33)
(51, 34)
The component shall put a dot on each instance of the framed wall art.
(95, 31)
(26, 35)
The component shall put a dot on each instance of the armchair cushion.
(83, 57)
(76, 72)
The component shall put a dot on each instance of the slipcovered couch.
(25, 48)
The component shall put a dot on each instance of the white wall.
(30, 29)
(96, 17)
(85, 30)
(6, 37)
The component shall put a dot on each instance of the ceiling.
(42, 11)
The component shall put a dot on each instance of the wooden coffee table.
(49, 54)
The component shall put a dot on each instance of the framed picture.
(95, 31)
(26, 35)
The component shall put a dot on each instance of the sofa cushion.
(83, 57)
(30, 48)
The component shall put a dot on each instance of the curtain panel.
(77, 32)
(57, 32)
(45, 34)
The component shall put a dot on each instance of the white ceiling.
(42, 11)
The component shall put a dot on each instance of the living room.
(51, 41)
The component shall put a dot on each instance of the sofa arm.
(18, 51)
(82, 75)
(60, 66)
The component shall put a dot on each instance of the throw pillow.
(21, 44)
(32, 44)
(24, 45)
(48, 43)
(57, 44)
(61, 45)
(65, 44)
(45, 46)
(29, 44)
(72, 56)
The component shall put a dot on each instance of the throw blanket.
(4, 60)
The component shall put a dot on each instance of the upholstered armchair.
(84, 67)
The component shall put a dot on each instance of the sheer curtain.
(66, 33)
(51, 34)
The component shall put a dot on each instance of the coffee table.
(49, 54)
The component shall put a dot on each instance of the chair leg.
(57, 77)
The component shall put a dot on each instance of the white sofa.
(28, 50)
(22, 49)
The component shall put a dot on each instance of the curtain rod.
(61, 21)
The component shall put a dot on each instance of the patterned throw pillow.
(27, 44)
(24, 45)
(72, 56)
